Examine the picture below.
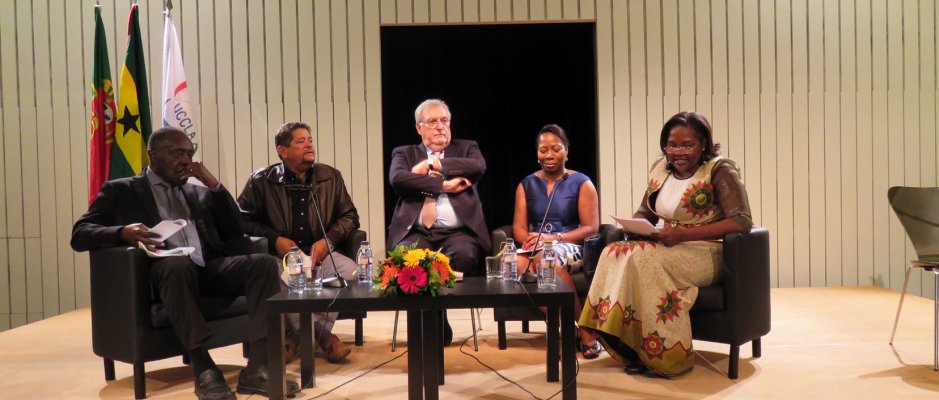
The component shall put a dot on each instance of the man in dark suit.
(438, 206)
(125, 208)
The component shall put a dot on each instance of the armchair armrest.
(498, 236)
(120, 298)
(350, 245)
(746, 279)
(593, 246)
(244, 245)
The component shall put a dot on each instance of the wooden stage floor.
(825, 343)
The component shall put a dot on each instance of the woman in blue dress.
(572, 217)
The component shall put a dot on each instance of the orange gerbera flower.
(442, 269)
(388, 274)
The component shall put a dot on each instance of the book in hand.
(639, 226)
(177, 252)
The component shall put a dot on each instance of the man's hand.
(283, 245)
(199, 171)
(456, 185)
(422, 168)
(134, 233)
(318, 251)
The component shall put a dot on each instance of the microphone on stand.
(530, 276)
(336, 280)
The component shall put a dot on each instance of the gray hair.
(429, 103)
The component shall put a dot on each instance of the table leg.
(441, 315)
(415, 356)
(551, 356)
(568, 377)
(276, 386)
(307, 363)
(431, 343)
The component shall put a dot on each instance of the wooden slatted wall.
(824, 104)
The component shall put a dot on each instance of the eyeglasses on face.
(433, 123)
(680, 150)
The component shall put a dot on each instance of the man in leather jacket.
(281, 202)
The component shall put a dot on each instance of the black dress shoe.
(634, 368)
(256, 383)
(211, 385)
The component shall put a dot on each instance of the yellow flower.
(443, 257)
(413, 257)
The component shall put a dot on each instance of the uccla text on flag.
(177, 109)
(102, 112)
(129, 157)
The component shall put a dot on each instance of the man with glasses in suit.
(438, 206)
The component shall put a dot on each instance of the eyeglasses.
(433, 123)
(680, 150)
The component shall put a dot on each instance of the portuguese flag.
(102, 112)
(129, 156)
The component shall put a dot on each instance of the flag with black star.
(133, 129)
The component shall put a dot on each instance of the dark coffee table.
(425, 353)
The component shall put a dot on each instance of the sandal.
(591, 352)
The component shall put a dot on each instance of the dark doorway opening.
(502, 83)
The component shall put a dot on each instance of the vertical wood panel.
(639, 130)
(537, 10)
(471, 10)
(273, 81)
(848, 146)
(668, 20)
(719, 110)
(438, 11)
(520, 10)
(911, 128)
(454, 11)
(257, 86)
(340, 66)
(751, 121)
(421, 10)
(404, 11)
(927, 106)
(4, 283)
(607, 147)
(784, 145)
(12, 170)
(388, 12)
(63, 196)
(769, 170)
(895, 126)
(654, 117)
(373, 124)
(224, 75)
(357, 181)
(802, 261)
(325, 141)
(881, 215)
(16, 253)
(503, 11)
(487, 10)
(208, 131)
(832, 145)
(47, 270)
(865, 152)
(587, 9)
(622, 99)
(241, 92)
(816, 143)
(553, 9)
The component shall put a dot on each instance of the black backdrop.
(502, 83)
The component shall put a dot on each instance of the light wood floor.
(825, 343)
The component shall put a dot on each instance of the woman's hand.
(670, 236)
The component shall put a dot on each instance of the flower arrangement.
(410, 271)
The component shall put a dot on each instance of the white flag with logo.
(177, 109)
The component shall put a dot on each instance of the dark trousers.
(459, 244)
(180, 282)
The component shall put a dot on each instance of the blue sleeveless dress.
(563, 215)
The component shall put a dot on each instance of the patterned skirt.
(641, 294)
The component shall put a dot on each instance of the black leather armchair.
(127, 325)
(591, 252)
(737, 309)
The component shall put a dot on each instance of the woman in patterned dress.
(644, 286)
(572, 216)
